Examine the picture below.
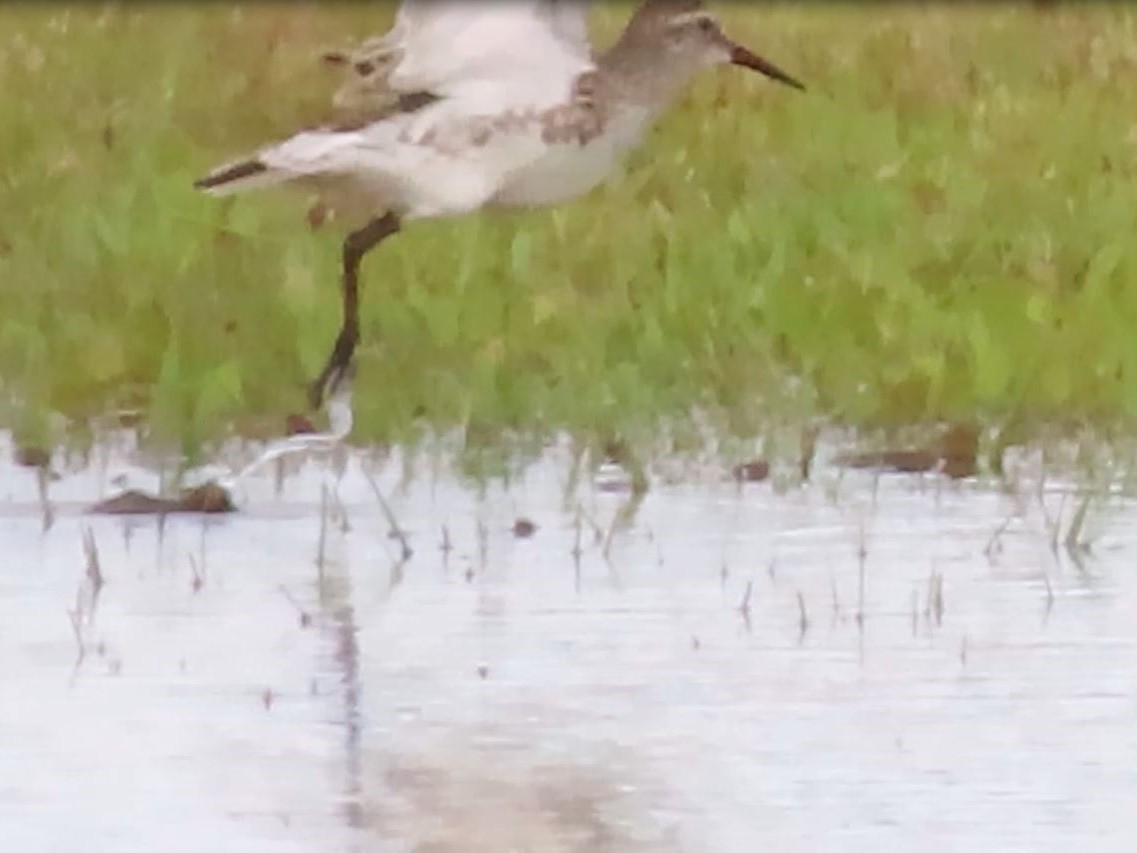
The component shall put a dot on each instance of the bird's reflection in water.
(343, 638)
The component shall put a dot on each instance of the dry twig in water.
(392, 522)
(94, 568)
(744, 605)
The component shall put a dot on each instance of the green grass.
(941, 228)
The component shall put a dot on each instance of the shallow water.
(271, 681)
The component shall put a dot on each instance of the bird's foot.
(338, 371)
(330, 382)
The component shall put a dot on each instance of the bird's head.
(692, 36)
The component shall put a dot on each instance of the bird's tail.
(314, 152)
(239, 177)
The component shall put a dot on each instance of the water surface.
(913, 667)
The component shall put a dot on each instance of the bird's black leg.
(357, 244)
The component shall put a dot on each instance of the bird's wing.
(520, 51)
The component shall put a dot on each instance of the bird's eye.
(706, 25)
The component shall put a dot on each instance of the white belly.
(568, 170)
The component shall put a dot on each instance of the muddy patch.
(208, 498)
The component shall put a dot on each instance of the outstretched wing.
(428, 96)
(519, 51)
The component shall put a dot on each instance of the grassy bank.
(943, 227)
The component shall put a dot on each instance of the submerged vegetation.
(941, 228)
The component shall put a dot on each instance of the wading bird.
(468, 105)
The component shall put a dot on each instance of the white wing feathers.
(463, 48)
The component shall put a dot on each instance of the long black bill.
(739, 55)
